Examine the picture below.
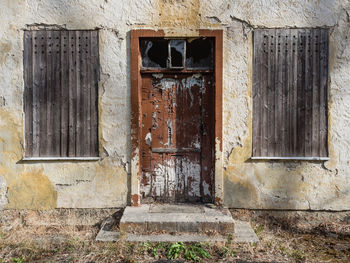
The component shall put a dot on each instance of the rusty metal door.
(177, 137)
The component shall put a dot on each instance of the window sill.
(48, 159)
(291, 158)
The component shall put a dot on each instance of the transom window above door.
(159, 53)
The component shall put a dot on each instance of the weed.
(224, 252)
(175, 250)
(229, 239)
(196, 251)
(259, 229)
(18, 260)
(145, 246)
(191, 252)
(153, 249)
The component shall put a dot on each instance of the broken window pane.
(177, 51)
(154, 53)
(199, 53)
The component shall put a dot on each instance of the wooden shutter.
(290, 79)
(61, 72)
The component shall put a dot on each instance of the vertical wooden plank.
(295, 111)
(258, 43)
(72, 95)
(207, 135)
(43, 94)
(28, 81)
(78, 105)
(285, 90)
(278, 124)
(64, 93)
(315, 93)
(308, 94)
(49, 96)
(36, 94)
(146, 135)
(56, 93)
(270, 100)
(323, 93)
(301, 94)
(87, 99)
(290, 106)
(94, 92)
(84, 93)
(263, 91)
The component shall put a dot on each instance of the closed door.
(177, 137)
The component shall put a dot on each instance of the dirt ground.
(284, 237)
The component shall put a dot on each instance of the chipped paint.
(173, 127)
(148, 138)
(135, 180)
(219, 180)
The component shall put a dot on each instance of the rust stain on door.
(177, 137)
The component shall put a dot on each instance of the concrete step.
(174, 218)
(174, 223)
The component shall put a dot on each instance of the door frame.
(136, 121)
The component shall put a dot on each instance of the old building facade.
(239, 103)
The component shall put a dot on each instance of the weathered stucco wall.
(106, 183)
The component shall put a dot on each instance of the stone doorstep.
(171, 223)
(243, 233)
(176, 218)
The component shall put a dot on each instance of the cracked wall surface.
(106, 183)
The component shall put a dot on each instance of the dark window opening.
(154, 53)
(177, 53)
(199, 53)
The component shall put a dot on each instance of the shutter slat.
(323, 93)
(49, 101)
(301, 95)
(94, 93)
(315, 94)
(64, 93)
(258, 50)
(28, 106)
(42, 94)
(56, 93)
(308, 94)
(72, 94)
